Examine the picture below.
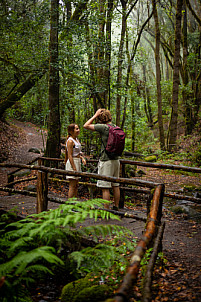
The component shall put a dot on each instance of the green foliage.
(30, 246)
(145, 260)
(111, 258)
(7, 217)
(196, 156)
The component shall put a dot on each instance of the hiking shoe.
(115, 208)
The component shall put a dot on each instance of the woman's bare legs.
(73, 187)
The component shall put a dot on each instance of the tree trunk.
(101, 80)
(186, 99)
(92, 56)
(133, 123)
(22, 89)
(158, 76)
(130, 60)
(53, 140)
(108, 48)
(175, 89)
(120, 61)
(147, 103)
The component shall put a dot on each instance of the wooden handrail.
(130, 278)
(132, 181)
(145, 164)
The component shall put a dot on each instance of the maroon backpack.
(115, 142)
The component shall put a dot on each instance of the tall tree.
(53, 140)
(158, 76)
(185, 94)
(125, 15)
(172, 136)
(108, 47)
(120, 62)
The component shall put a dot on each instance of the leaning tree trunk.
(158, 77)
(53, 140)
(23, 88)
(175, 89)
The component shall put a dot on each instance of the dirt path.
(17, 138)
(180, 280)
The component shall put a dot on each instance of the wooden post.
(10, 178)
(160, 209)
(122, 192)
(42, 189)
(148, 203)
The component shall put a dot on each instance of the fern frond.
(23, 259)
(104, 230)
(21, 230)
(28, 280)
(18, 244)
(35, 269)
(98, 258)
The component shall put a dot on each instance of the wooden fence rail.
(152, 165)
(125, 188)
(141, 163)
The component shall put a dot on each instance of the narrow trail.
(18, 140)
(179, 281)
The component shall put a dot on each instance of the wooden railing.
(124, 185)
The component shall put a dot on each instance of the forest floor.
(179, 280)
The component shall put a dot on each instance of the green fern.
(104, 255)
(23, 259)
(31, 245)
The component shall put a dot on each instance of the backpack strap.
(108, 136)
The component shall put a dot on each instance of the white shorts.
(68, 167)
(108, 168)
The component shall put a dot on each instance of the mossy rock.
(180, 209)
(96, 293)
(151, 158)
(31, 188)
(85, 290)
(34, 150)
(189, 188)
(70, 290)
(22, 173)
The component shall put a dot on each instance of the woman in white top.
(73, 157)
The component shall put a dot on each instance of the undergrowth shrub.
(43, 243)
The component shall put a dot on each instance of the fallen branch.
(149, 272)
(182, 197)
(22, 192)
(21, 180)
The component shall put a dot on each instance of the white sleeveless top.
(76, 147)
